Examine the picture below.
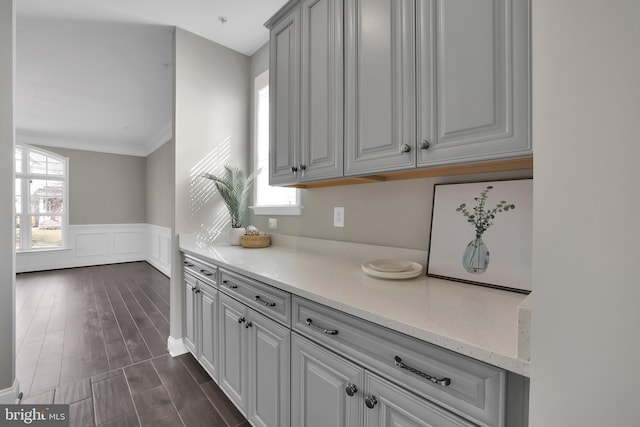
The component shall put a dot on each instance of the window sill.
(277, 210)
(35, 251)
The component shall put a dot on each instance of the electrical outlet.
(273, 223)
(338, 216)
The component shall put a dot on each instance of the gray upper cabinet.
(306, 90)
(321, 102)
(380, 86)
(284, 99)
(473, 80)
(426, 83)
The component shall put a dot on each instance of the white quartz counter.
(475, 321)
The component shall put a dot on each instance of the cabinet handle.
(268, 304)
(351, 390)
(303, 167)
(226, 283)
(406, 148)
(193, 290)
(425, 145)
(188, 264)
(248, 325)
(310, 324)
(440, 381)
(294, 169)
(205, 272)
(370, 401)
(241, 319)
(198, 291)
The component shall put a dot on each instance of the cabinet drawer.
(263, 298)
(201, 270)
(467, 387)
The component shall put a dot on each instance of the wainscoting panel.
(104, 244)
(158, 248)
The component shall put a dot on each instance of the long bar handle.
(310, 324)
(268, 304)
(440, 381)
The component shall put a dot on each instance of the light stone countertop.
(475, 321)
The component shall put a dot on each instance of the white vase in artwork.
(234, 235)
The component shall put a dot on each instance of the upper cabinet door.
(321, 120)
(284, 93)
(473, 78)
(380, 86)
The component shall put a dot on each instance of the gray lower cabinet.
(318, 382)
(201, 313)
(254, 363)
(207, 355)
(330, 390)
(191, 313)
(389, 405)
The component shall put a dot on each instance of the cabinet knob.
(425, 145)
(405, 148)
(351, 390)
(370, 401)
(198, 291)
(248, 325)
(303, 167)
(294, 169)
(241, 319)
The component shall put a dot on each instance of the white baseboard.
(9, 396)
(176, 347)
(104, 244)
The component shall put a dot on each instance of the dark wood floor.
(95, 338)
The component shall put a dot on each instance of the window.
(40, 199)
(268, 200)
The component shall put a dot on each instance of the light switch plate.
(338, 216)
(273, 223)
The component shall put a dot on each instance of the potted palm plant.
(234, 186)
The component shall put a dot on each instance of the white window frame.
(25, 232)
(295, 209)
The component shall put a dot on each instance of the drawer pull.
(440, 381)
(205, 272)
(310, 324)
(226, 283)
(188, 264)
(268, 304)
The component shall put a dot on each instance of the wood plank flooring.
(95, 338)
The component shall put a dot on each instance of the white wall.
(7, 230)
(211, 122)
(586, 114)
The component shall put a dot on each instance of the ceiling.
(97, 74)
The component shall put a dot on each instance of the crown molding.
(93, 144)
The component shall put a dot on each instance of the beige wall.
(159, 186)
(7, 231)
(586, 104)
(105, 188)
(211, 121)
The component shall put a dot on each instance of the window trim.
(259, 82)
(24, 190)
